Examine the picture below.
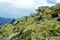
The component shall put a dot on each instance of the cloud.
(20, 3)
(10, 11)
(24, 3)
(19, 8)
(58, 1)
(28, 3)
(32, 3)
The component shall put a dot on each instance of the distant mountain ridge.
(4, 20)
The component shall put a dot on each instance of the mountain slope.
(42, 25)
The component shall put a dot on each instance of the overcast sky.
(19, 8)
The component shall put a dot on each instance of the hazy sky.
(19, 8)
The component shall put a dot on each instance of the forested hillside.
(41, 25)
